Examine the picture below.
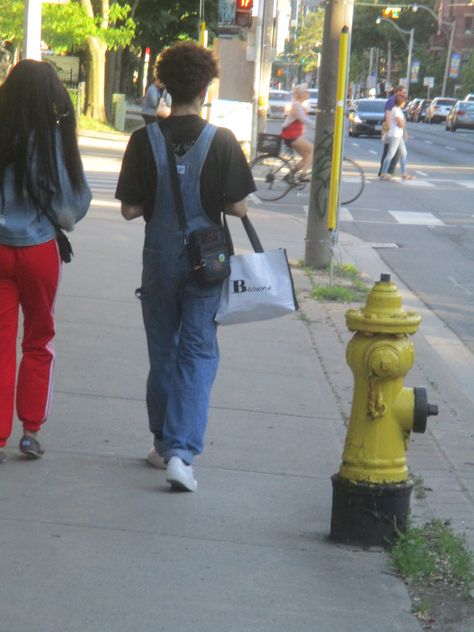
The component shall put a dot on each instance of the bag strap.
(176, 187)
(251, 234)
(178, 200)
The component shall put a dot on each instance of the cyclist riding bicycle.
(293, 129)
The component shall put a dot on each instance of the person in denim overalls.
(178, 313)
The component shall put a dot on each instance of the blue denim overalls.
(177, 312)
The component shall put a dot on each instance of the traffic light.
(392, 12)
(243, 13)
(280, 72)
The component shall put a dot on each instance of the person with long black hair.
(42, 187)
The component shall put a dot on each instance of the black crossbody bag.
(64, 245)
(207, 247)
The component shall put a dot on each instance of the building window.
(468, 24)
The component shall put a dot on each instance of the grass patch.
(345, 285)
(90, 124)
(419, 488)
(334, 293)
(433, 554)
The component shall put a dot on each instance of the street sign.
(428, 82)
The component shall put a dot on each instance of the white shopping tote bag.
(260, 285)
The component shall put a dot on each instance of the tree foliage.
(65, 27)
(159, 24)
(309, 40)
(366, 34)
(467, 75)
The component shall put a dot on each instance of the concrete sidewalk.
(92, 538)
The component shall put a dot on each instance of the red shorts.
(293, 131)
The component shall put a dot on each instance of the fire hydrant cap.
(383, 312)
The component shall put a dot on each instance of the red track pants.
(29, 277)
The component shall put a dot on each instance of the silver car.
(279, 102)
(439, 109)
(311, 103)
(461, 116)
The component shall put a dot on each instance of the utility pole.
(389, 63)
(32, 30)
(338, 14)
(266, 61)
(411, 42)
(371, 61)
(448, 58)
(263, 69)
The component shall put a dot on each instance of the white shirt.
(297, 113)
(396, 114)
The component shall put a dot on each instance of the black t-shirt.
(225, 176)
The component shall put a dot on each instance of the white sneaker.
(180, 475)
(155, 459)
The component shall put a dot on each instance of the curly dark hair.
(186, 69)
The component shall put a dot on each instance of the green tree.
(309, 40)
(101, 26)
(467, 75)
(366, 34)
(113, 27)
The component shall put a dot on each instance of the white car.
(279, 102)
(311, 104)
(439, 109)
(469, 97)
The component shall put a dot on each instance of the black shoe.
(304, 177)
(31, 447)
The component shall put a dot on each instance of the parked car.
(420, 110)
(366, 117)
(460, 116)
(311, 103)
(279, 102)
(439, 109)
(410, 110)
(469, 97)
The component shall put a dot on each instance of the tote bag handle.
(251, 234)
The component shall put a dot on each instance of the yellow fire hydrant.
(371, 492)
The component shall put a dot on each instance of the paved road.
(425, 226)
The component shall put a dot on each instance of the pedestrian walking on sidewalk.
(41, 182)
(157, 101)
(388, 108)
(178, 312)
(397, 137)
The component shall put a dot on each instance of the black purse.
(207, 247)
(64, 246)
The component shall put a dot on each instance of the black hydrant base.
(367, 514)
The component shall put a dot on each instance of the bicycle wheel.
(352, 181)
(269, 173)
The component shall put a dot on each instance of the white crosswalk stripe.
(102, 185)
(408, 218)
(414, 218)
(417, 183)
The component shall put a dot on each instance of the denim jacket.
(20, 222)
